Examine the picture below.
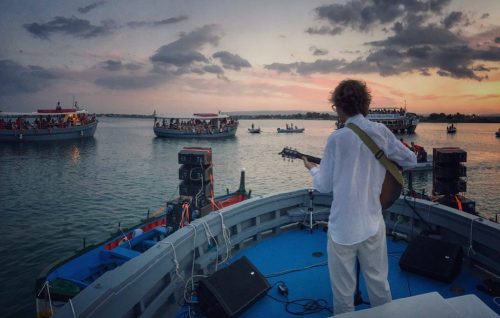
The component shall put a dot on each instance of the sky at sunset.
(186, 56)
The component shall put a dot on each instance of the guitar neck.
(312, 159)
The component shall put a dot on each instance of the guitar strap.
(379, 153)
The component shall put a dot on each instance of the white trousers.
(372, 255)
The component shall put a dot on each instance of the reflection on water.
(52, 195)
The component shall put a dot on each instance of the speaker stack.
(195, 188)
(448, 180)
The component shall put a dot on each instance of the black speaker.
(444, 171)
(229, 291)
(449, 186)
(432, 258)
(449, 155)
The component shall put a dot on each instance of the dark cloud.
(415, 34)
(117, 65)
(70, 26)
(90, 7)
(172, 20)
(214, 69)
(231, 61)
(360, 15)
(324, 30)
(485, 15)
(303, 68)
(184, 51)
(16, 78)
(455, 18)
(497, 39)
(317, 51)
(129, 82)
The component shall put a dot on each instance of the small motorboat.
(497, 133)
(254, 130)
(451, 129)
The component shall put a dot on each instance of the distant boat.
(47, 125)
(497, 133)
(451, 129)
(398, 120)
(201, 125)
(290, 130)
(254, 130)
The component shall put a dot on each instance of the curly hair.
(352, 96)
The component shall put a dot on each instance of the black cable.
(419, 216)
(307, 306)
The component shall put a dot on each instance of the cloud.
(184, 51)
(324, 30)
(129, 82)
(231, 61)
(303, 68)
(455, 18)
(485, 15)
(91, 6)
(317, 51)
(70, 26)
(497, 39)
(172, 20)
(214, 69)
(360, 15)
(117, 65)
(16, 78)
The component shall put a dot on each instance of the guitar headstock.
(290, 153)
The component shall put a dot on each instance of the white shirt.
(349, 170)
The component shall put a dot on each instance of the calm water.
(54, 195)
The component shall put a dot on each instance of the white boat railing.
(152, 283)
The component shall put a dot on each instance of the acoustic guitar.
(391, 188)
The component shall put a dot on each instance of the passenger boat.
(497, 133)
(201, 125)
(282, 235)
(290, 130)
(398, 120)
(64, 280)
(47, 125)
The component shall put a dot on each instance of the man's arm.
(398, 152)
(323, 175)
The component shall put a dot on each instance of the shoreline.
(432, 118)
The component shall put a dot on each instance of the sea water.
(55, 195)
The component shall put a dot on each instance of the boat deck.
(297, 249)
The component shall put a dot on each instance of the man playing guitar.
(356, 228)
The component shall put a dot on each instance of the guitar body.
(391, 188)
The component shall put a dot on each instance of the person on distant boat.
(404, 143)
(356, 227)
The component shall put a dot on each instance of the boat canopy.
(200, 116)
(43, 113)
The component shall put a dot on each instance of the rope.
(194, 254)
(46, 285)
(72, 308)
(470, 249)
(227, 238)
(209, 234)
(174, 260)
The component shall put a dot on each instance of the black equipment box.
(229, 291)
(449, 186)
(468, 205)
(192, 189)
(432, 258)
(449, 155)
(449, 171)
(195, 156)
(195, 173)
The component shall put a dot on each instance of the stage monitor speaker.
(229, 291)
(449, 186)
(432, 258)
(446, 171)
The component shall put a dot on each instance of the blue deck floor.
(295, 249)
